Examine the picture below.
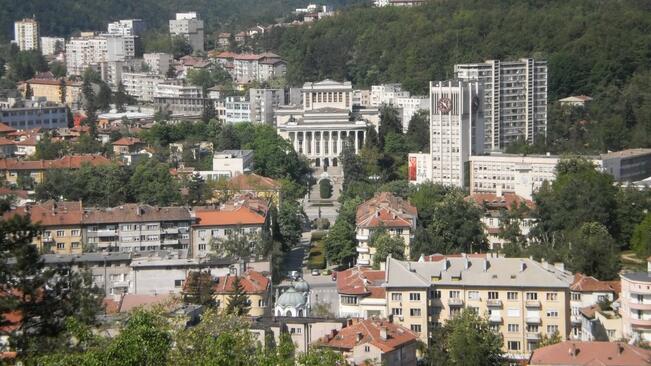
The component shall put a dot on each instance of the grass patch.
(317, 256)
(318, 236)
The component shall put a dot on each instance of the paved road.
(323, 291)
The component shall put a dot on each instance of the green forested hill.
(600, 48)
(63, 17)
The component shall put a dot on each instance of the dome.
(302, 286)
(291, 298)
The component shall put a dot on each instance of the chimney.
(523, 266)
(359, 336)
(466, 262)
(445, 264)
(485, 264)
(384, 333)
(560, 266)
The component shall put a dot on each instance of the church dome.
(291, 298)
(302, 286)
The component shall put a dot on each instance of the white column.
(322, 152)
(313, 144)
(363, 137)
(295, 141)
(304, 143)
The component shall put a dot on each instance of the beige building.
(51, 89)
(361, 293)
(383, 212)
(522, 299)
(256, 286)
(26, 34)
(303, 331)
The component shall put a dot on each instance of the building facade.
(456, 127)
(361, 293)
(636, 304)
(158, 62)
(26, 34)
(189, 26)
(515, 99)
(238, 109)
(262, 104)
(50, 45)
(127, 27)
(35, 114)
(256, 286)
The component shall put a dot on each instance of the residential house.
(11, 169)
(253, 184)
(575, 101)
(229, 163)
(18, 197)
(496, 208)
(223, 40)
(374, 341)
(635, 301)
(383, 212)
(60, 223)
(127, 145)
(303, 331)
(522, 299)
(136, 227)
(572, 353)
(243, 214)
(256, 286)
(7, 147)
(586, 292)
(600, 324)
(361, 293)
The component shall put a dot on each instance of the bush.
(317, 257)
(322, 224)
(325, 188)
(318, 236)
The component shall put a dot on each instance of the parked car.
(315, 272)
(326, 272)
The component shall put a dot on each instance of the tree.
(197, 189)
(29, 93)
(238, 302)
(103, 99)
(43, 296)
(389, 122)
(144, 341)
(425, 197)
(641, 239)
(152, 183)
(340, 243)
(325, 189)
(466, 339)
(47, 149)
(239, 244)
(548, 340)
(180, 47)
(171, 72)
(62, 90)
(290, 222)
(89, 105)
(120, 98)
(58, 69)
(385, 244)
(418, 131)
(316, 356)
(227, 139)
(352, 166)
(593, 252)
(198, 289)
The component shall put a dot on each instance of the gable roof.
(66, 162)
(51, 213)
(253, 282)
(368, 331)
(361, 281)
(127, 141)
(133, 212)
(385, 210)
(584, 283)
(591, 354)
(253, 182)
(4, 128)
(241, 215)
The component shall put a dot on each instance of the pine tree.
(198, 289)
(89, 106)
(28, 91)
(62, 90)
(171, 73)
(120, 98)
(238, 302)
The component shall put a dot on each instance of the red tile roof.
(591, 354)
(385, 210)
(361, 281)
(505, 201)
(4, 141)
(127, 141)
(241, 215)
(13, 192)
(368, 331)
(66, 162)
(248, 57)
(51, 213)
(4, 128)
(52, 82)
(583, 283)
(253, 282)
(253, 182)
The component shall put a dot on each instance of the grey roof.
(235, 153)
(638, 276)
(489, 272)
(85, 258)
(291, 298)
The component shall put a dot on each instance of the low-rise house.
(361, 293)
(60, 223)
(599, 324)
(127, 145)
(18, 197)
(11, 169)
(575, 101)
(374, 341)
(586, 292)
(251, 184)
(256, 286)
(383, 212)
(303, 331)
(6, 129)
(572, 353)
(7, 148)
(136, 227)
(497, 209)
(241, 215)
(229, 163)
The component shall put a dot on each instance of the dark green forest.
(598, 48)
(65, 17)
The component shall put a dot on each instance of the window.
(513, 313)
(552, 296)
(473, 295)
(396, 311)
(532, 296)
(436, 294)
(495, 328)
(396, 297)
(202, 246)
(61, 245)
(454, 294)
(75, 232)
(493, 295)
(552, 313)
(454, 312)
(299, 330)
(414, 312)
(610, 333)
(415, 328)
(75, 245)
(576, 296)
(513, 345)
(349, 300)
(551, 329)
(532, 328)
(511, 295)
(367, 349)
(178, 283)
(514, 328)
(60, 233)
(414, 296)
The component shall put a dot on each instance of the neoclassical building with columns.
(319, 128)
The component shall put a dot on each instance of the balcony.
(533, 320)
(170, 241)
(171, 230)
(532, 304)
(362, 249)
(576, 319)
(121, 284)
(495, 318)
(639, 306)
(640, 323)
(494, 303)
(107, 232)
(454, 301)
(362, 237)
(48, 239)
(533, 336)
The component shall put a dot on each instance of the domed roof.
(302, 286)
(291, 298)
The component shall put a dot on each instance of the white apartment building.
(238, 109)
(362, 98)
(456, 127)
(515, 99)
(263, 102)
(26, 34)
(189, 26)
(257, 67)
(158, 63)
(141, 85)
(393, 95)
(91, 50)
(229, 163)
(127, 27)
(175, 89)
(386, 94)
(409, 106)
(49, 45)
